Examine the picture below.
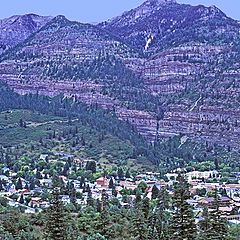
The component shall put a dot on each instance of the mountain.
(157, 25)
(63, 37)
(183, 80)
(16, 29)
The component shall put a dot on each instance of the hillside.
(101, 136)
(184, 82)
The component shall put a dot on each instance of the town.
(34, 197)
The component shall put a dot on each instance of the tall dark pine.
(213, 226)
(19, 184)
(90, 201)
(183, 223)
(159, 217)
(111, 183)
(56, 219)
(155, 192)
(139, 228)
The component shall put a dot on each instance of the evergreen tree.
(65, 169)
(213, 226)
(32, 184)
(120, 173)
(73, 195)
(155, 192)
(38, 175)
(145, 207)
(183, 223)
(90, 201)
(1, 186)
(138, 198)
(19, 184)
(114, 192)
(56, 218)
(111, 183)
(82, 182)
(91, 166)
(128, 175)
(21, 200)
(159, 217)
(140, 225)
(104, 200)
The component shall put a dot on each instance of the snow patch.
(149, 41)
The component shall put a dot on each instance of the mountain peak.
(158, 2)
(59, 20)
(152, 4)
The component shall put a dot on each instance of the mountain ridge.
(179, 81)
(152, 23)
(18, 28)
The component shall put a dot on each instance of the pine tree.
(138, 198)
(111, 183)
(104, 200)
(213, 226)
(128, 175)
(90, 201)
(56, 218)
(91, 166)
(19, 184)
(159, 217)
(21, 200)
(73, 195)
(65, 169)
(82, 182)
(114, 191)
(183, 223)
(155, 192)
(140, 225)
(1, 186)
(120, 173)
(32, 184)
(145, 207)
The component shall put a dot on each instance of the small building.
(198, 175)
(210, 201)
(65, 199)
(102, 181)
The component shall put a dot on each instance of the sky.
(93, 11)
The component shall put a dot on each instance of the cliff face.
(167, 68)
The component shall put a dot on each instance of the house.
(102, 181)
(65, 199)
(210, 201)
(141, 177)
(4, 178)
(35, 202)
(37, 190)
(153, 174)
(232, 190)
(128, 184)
(199, 175)
(46, 182)
(11, 188)
(5, 169)
(23, 191)
(171, 176)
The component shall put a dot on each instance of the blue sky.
(97, 10)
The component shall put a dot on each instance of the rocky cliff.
(167, 68)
